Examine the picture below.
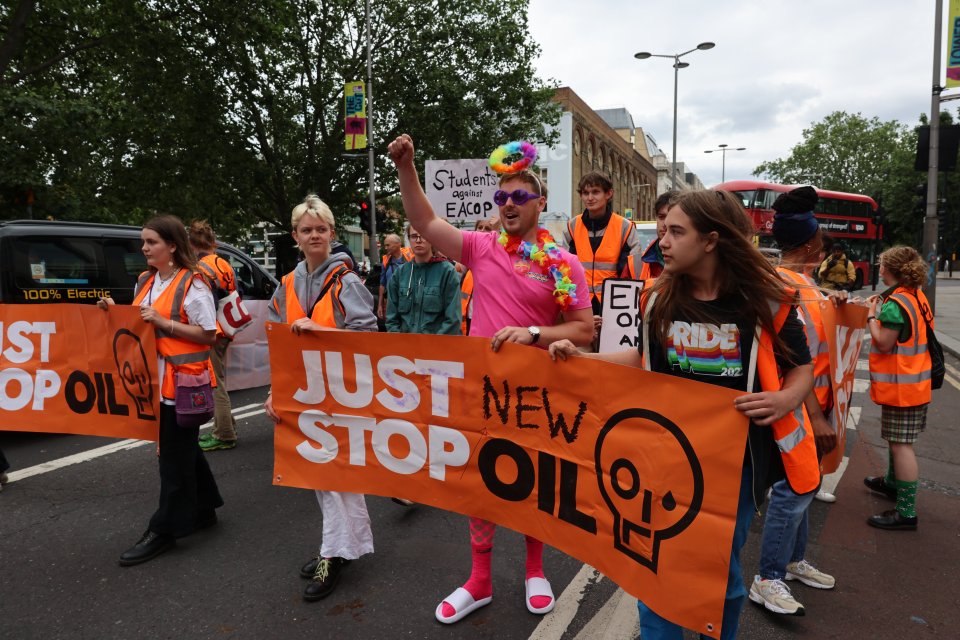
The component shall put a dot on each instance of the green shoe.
(212, 444)
(204, 437)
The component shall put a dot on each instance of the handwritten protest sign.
(74, 368)
(844, 326)
(460, 191)
(620, 314)
(633, 472)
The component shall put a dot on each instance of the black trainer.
(324, 579)
(893, 521)
(878, 485)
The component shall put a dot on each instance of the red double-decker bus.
(849, 217)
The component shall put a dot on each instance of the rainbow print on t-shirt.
(703, 348)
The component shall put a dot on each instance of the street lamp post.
(677, 65)
(723, 148)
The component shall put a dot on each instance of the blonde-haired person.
(174, 296)
(900, 379)
(323, 293)
(204, 243)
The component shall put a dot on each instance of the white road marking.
(555, 623)
(953, 379)
(831, 480)
(618, 619)
(860, 386)
(853, 420)
(863, 365)
(113, 447)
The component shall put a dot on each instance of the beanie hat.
(793, 220)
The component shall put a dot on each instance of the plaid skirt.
(902, 424)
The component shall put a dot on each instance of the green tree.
(852, 153)
(232, 109)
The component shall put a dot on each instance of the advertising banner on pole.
(953, 48)
(355, 116)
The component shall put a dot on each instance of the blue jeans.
(784, 530)
(653, 627)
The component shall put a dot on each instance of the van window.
(251, 283)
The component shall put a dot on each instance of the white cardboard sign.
(620, 313)
(461, 191)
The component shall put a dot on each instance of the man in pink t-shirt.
(514, 301)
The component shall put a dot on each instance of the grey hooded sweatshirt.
(356, 300)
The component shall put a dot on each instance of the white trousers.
(346, 525)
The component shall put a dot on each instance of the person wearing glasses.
(423, 296)
(517, 299)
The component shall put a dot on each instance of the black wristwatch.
(534, 333)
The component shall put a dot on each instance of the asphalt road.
(62, 531)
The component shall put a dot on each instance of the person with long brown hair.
(175, 297)
(900, 367)
(718, 307)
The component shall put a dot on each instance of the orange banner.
(844, 326)
(635, 473)
(74, 368)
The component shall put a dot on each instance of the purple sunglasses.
(518, 196)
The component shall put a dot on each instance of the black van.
(44, 262)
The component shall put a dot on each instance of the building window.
(577, 142)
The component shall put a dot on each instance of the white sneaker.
(825, 496)
(809, 575)
(775, 596)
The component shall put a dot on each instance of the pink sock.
(480, 584)
(535, 569)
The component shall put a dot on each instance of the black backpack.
(938, 369)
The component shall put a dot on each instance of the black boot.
(893, 521)
(310, 568)
(149, 547)
(324, 579)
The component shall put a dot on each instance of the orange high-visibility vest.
(405, 252)
(181, 355)
(466, 297)
(637, 269)
(323, 310)
(221, 274)
(603, 264)
(901, 378)
(793, 435)
(809, 305)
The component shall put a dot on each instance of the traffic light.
(364, 214)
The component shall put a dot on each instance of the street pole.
(374, 249)
(677, 65)
(723, 148)
(930, 222)
(673, 164)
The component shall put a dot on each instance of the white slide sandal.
(540, 587)
(463, 605)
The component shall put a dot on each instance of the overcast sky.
(778, 66)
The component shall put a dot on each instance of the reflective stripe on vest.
(323, 313)
(901, 378)
(184, 356)
(792, 432)
(809, 305)
(603, 264)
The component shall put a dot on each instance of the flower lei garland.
(547, 254)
